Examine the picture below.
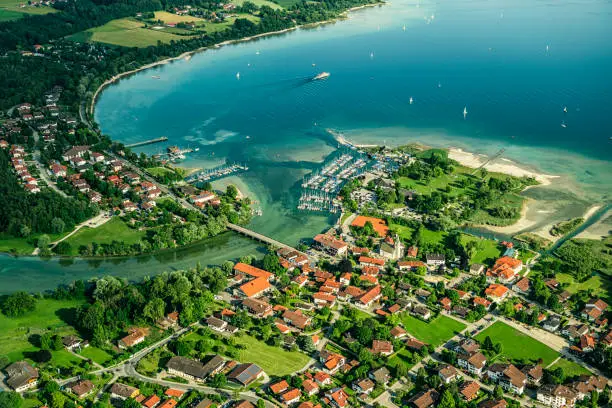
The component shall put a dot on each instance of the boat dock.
(216, 173)
(148, 142)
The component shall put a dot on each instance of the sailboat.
(439, 85)
(565, 109)
(547, 47)
(257, 52)
(237, 75)
(411, 100)
(464, 112)
(563, 125)
(404, 27)
(371, 55)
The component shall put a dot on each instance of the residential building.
(186, 368)
(447, 373)
(474, 362)
(338, 398)
(382, 347)
(257, 307)
(135, 336)
(434, 261)
(245, 374)
(216, 324)
(496, 292)
(291, 396)
(424, 399)
(21, 376)
(71, 342)
(363, 386)
(505, 270)
(534, 373)
(380, 225)
(594, 309)
(310, 387)
(477, 269)
(297, 319)
(369, 297)
(380, 375)
(508, 377)
(493, 404)
(82, 388)
(332, 362)
(410, 265)
(552, 323)
(469, 390)
(123, 391)
(257, 286)
(522, 286)
(331, 245)
(556, 396)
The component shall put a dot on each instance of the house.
(257, 286)
(380, 375)
(448, 373)
(135, 336)
(243, 404)
(151, 401)
(467, 346)
(422, 293)
(522, 286)
(337, 397)
(505, 269)
(482, 301)
(424, 399)
(71, 342)
(368, 261)
(398, 332)
(324, 299)
(123, 391)
(363, 386)
(382, 347)
(552, 323)
(257, 308)
(587, 343)
(370, 296)
(21, 376)
(421, 312)
(279, 387)
(446, 303)
(310, 387)
(594, 309)
(414, 344)
(331, 245)
(168, 322)
(410, 265)
(297, 319)
(205, 403)
(556, 396)
(322, 378)
(477, 269)
(169, 403)
(534, 373)
(585, 384)
(493, 404)
(380, 225)
(469, 390)
(75, 152)
(474, 362)
(58, 170)
(245, 374)
(434, 261)
(216, 324)
(332, 362)
(508, 377)
(291, 397)
(186, 368)
(174, 393)
(496, 292)
(574, 332)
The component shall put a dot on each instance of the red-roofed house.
(506, 269)
(496, 292)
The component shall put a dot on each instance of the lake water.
(514, 65)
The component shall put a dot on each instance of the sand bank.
(599, 229)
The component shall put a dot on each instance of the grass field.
(273, 360)
(14, 332)
(435, 332)
(22, 246)
(98, 355)
(12, 10)
(260, 3)
(570, 368)
(487, 250)
(174, 18)
(113, 230)
(516, 345)
(597, 283)
(125, 32)
(509, 200)
(400, 356)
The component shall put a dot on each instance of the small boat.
(249, 64)
(371, 55)
(156, 77)
(314, 65)
(563, 125)
(411, 100)
(321, 75)
(404, 28)
(197, 149)
(565, 109)
(465, 112)
(248, 137)
(547, 47)
(238, 75)
(439, 85)
(257, 52)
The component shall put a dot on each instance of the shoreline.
(189, 54)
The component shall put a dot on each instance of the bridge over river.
(260, 237)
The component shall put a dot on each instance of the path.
(94, 222)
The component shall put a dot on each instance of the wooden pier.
(148, 142)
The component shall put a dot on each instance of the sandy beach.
(599, 229)
(500, 165)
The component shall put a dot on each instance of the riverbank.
(599, 229)
(188, 54)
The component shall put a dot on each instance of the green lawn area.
(487, 250)
(14, 332)
(12, 10)
(597, 283)
(64, 359)
(400, 356)
(435, 332)
(516, 345)
(22, 246)
(286, 3)
(96, 354)
(509, 200)
(273, 360)
(401, 230)
(113, 230)
(260, 3)
(175, 18)
(125, 32)
(570, 368)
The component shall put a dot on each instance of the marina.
(174, 153)
(320, 188)
(216, 173)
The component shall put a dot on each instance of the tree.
(261, 403)
(219, 380)
(488, 343)
(10, 399)
(43, 243)
(498, 392)
(365, 356)
(46, 341)
(57, 225)
(154, 309)
(498, 348)
(57, 343)
(447, 400)
(306, 344)
(401, 370)
(131, 403)
(18, 304)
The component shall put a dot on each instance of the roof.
(523, 284)
(481, 301)
(169, 403)
(309, 386)
(469, 389)
(505, 267)
(320, 376)
(187, 366)
(370, 295)
(425, 399)
(151, 401)
(380, 226)
(279, 387)
(257, 306)
(381, 346)
(365, 384)
(20, 374)
(557, 390)
(297, 318)
(496, 290)
(475, 358)
(82, 387)
(243, 404)
(205, 403)
(291, 395)
(330, 242)
(493, 404)
(534, 371)
(447, 371)
(397, 331)
(245, 373)
(173, 392)
(380, 375)
(123, 390)
(410, 264)
(252, 271)
(255, 287)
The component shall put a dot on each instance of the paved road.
(41, 169)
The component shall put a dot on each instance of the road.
(41, 168)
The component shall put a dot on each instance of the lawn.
(12, 10)
(509, 200)
(435, 332)
(98, 355)
(273, 360)
(113, 230)
(516, 345)
(570, 368)
(401, 230)
(174, 18)
(14, 332)
(22, 246)
(400, 356)
(597, 283)
(260, 3)
(487, 250)
(125, 32)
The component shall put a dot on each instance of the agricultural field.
(125, 32)
(12, 10)
(175, 18)
(18, 335)
(113, 230)
(516, 345)
(435, 332)
(259, 3)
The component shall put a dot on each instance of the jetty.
(148, 142)
(216, 173)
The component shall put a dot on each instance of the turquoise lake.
(513, 65)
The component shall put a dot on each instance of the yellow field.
(125, 32)
(258, 3)
(173, 18)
